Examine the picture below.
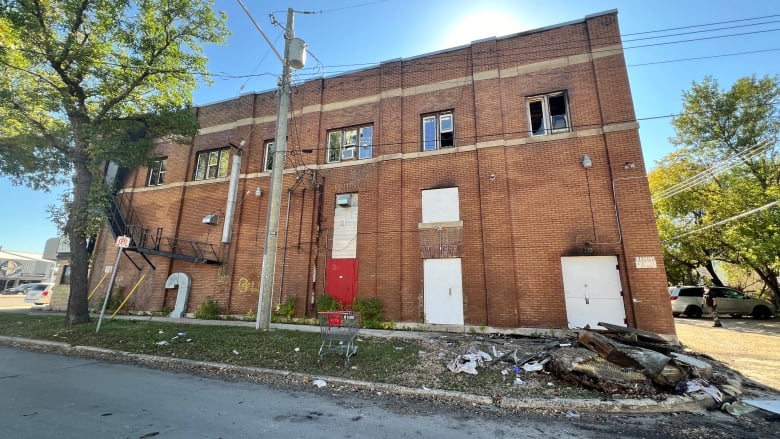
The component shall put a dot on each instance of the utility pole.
(277, 174)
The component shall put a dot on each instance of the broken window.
(350, 143)
(212, 164)
(157, 172)
(268, 163)
(438, 131)
(548, 114)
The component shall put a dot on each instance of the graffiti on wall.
(247, 286)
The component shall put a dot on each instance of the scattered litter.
(398, 348)
(770, 405)
(737, 408)
(425, 388)
(565, 345)
(319, 383)
(297, 349)
(698, 385)
(161, 343)
(182, 334)
(421, 353)
(516, 369)
(571, 414)
(505, 372)
(550, 384)
(378, 393)
(235, 352)
(469, 361)
(535, 366)
(189, 339)
(520, 382)
(161, 331)
(495, 354)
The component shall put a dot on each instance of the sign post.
(122, 242)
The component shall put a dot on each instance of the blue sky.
(351, 34)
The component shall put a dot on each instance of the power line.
(724, 221)
(711, 172)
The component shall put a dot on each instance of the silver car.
(39, 294)
(687, 300)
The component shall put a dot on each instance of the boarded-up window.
(440, 205)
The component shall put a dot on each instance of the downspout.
(286, 235)
(235, 175)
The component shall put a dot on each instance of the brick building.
(499, 184)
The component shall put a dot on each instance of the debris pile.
(618, 360)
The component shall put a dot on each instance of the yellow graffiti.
(247, 286)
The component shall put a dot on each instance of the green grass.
(377, 359)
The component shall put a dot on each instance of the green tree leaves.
(726, 164)
(83, 82)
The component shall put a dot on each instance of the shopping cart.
(339, 329)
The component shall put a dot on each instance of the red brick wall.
(524, 202)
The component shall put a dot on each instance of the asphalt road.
(48, 395)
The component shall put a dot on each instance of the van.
(687, 300)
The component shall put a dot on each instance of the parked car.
(19, 289)
(687, 300)
(39, 294)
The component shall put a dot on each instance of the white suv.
(687, 300)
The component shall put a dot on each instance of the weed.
(327, 302)
(371, 313)
(208, 310)
(286, 310)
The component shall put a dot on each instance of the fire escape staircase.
(124, 222)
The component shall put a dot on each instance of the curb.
(690, 403)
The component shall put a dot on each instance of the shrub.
(286, 310)
(208, 310)
(327, 302)
(370, 311)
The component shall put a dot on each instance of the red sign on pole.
(123, 241)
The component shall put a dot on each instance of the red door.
(341, 280)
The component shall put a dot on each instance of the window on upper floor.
(350, 143)
(157, 172)
(268, 162)
(212, 164)
(548, 114)
(438, 131)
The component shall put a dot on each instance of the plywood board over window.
(440, 205)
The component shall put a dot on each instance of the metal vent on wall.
(344, 200)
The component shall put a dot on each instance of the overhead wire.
(713, 171)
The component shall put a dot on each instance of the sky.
(725, 39)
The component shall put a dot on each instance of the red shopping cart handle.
(334, 321)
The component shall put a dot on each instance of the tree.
(716, 195)
(84, 82)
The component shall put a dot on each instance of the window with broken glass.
(350, 143)
(548, 114)
(438, 131)
(157, 172)
(212, 164)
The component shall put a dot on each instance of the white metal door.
(592, 290)
(443, 291)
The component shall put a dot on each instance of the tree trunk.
(78, 307)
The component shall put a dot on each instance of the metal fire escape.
(124, 222)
